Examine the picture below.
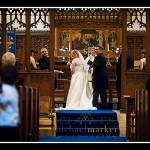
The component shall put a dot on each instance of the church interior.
(62, 30)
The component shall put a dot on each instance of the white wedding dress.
(79, 94)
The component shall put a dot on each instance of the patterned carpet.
(87, 123)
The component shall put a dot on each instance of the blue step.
(87, 123)
(87, 131)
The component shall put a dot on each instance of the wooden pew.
(36, 114)
(142, 113)
(138, 114)
(23, 109)
(130, 119)
(33, 125)
(29, 113)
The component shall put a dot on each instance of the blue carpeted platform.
(87, 123)
(86, 126)
(83, 139)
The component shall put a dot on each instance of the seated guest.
(44, 62)
(143, 60)
(32, 59)
(9, 59)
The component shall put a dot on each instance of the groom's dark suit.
(100, 80)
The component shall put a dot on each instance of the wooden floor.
(46, 130)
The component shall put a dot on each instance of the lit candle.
(69, 46)
(108, 47)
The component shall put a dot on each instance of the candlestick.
(108, 61)
(108, 47)
(69, 46)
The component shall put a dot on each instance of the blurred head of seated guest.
(8, 74)
(9, 59)
(44, 62)
(32, 59)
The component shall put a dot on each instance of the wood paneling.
(136, 41)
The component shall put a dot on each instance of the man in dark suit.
(129, 66)
(44, 62)
(99, 80)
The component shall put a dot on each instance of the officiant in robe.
(89, 61)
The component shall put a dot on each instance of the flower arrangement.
(63, 49)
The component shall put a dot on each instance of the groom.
(99, 80)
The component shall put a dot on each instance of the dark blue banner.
(11, 42)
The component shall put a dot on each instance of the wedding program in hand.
(79, 94)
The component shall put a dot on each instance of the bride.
(79, 94)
